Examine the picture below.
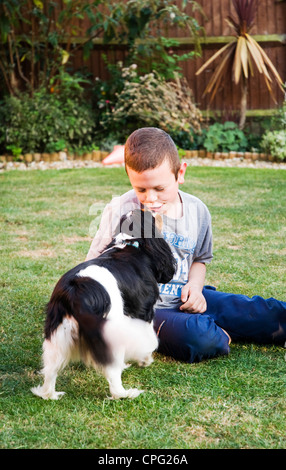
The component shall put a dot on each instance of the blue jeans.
(193, 337)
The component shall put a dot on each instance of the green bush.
(47, 122)
(225, 137)
(274, 143)
(149, 100)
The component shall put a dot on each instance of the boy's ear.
(181, 174)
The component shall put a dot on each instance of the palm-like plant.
(240, 55)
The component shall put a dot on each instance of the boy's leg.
(189, 337)
(249, 319)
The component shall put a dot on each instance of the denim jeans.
(193, 337)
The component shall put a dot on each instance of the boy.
(192, 321)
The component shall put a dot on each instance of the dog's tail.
(89, 303)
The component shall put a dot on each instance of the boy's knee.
(192, 340)
(208, 346)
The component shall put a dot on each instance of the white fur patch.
(128, 338)
(104, 277)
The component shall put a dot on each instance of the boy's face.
(157, 188)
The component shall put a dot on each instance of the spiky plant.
(240, 56)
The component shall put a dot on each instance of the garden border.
(99, 155)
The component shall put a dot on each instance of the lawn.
(236, 401)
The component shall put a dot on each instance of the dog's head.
(143, 230)
(140, 224)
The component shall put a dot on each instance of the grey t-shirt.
(190, 239)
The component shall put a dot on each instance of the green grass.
(236, 401)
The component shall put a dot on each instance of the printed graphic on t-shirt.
(172, 288)
(183, 249)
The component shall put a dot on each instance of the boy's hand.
(194, 302)
(193, 299)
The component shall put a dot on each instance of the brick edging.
(95, 155)
(228, 155)
(99, 155)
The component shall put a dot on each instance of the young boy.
(192, 321)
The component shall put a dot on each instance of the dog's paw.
(146, 361)
(126, 366)
(130, 393)
(133, 392)
(57, 395)
(46, 395)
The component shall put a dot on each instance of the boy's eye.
(143, 190)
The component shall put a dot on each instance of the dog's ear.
(141, 224)
(163, 262)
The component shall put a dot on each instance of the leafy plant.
(149, 100)
(274, 143)
(160, 55)
(57, 146)
(190, 139)
(44, 122)
(142, 26)
(225, 137)
(279, 120)
(15, 150)
(36, 39)
(240, 56)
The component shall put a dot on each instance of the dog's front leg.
(113, 375)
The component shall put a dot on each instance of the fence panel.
(269, 29)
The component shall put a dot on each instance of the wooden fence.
(269, 30)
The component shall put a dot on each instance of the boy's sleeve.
(104, 233)
(204, 248)
(110, 219)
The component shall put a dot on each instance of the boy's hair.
(148, 147)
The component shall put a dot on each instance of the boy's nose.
(150, 196)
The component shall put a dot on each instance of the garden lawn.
(235, 401)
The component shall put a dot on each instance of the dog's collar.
(134, 243)
(123, 244)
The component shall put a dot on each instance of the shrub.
(274, 143)
(46, 122)
(149, 100)
(225, 137)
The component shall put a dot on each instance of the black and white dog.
(101, 311)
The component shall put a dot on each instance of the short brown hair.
(148, 147)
